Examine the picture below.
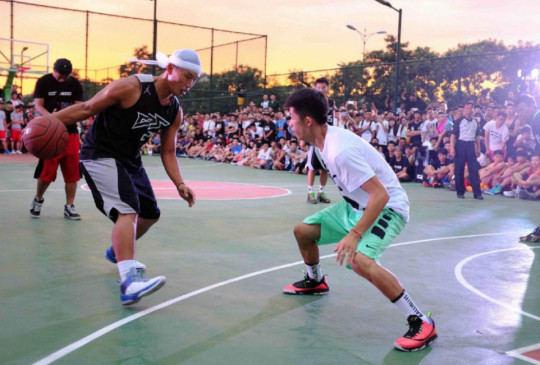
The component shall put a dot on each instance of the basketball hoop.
(21, 69)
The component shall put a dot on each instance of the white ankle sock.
(314, 271)
(407, 306)
(310, 189)
(321, 188)
(124, 267)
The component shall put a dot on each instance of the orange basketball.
(45, 137)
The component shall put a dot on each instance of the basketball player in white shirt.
(374, 211)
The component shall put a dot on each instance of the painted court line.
(518, 353)
(78, 344)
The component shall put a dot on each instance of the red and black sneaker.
(419, 336)
(307, 287)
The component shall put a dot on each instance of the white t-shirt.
(367, 134)
(382, 136)
(265, 104)
(430, 128)
(2, 120)
(258, 131)
(497, 136)
(351, 161)
(208, 125)
(265, 155)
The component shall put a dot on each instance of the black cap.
(63, 66)
(443, 151)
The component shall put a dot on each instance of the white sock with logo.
(310, 189)
(124, 267)
(314, 271)
(407, 306)
(321, 188)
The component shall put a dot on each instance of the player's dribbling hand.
(346, 249)
(187, 194)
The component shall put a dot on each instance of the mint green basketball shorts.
(338, 219)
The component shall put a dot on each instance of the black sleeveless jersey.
(120, 133)
(330, 115)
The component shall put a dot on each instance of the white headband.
(185, 58)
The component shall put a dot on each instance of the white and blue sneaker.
(137, 286)
(109, 255)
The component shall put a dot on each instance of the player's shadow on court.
(277, 305)
(406, 358)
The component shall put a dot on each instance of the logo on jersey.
(147, 91)
(150, 122)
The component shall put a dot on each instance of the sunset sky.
(302, 34)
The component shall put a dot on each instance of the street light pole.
(155, 36)
(22, 68)
(365, 37)
(398, 53)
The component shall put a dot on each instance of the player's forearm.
(375, 205)
(75, 113)
(172, 167)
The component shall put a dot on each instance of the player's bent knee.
(306, 232)
(363, 265)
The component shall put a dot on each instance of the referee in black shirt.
(465, 134)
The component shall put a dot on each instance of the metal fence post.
(459, 80)
(345, 79)
(211, 72)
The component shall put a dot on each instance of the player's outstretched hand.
(187, 194)
(346, 249)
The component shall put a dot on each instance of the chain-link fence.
(98, 44)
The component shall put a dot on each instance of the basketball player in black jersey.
(313, 163)
(128, 112)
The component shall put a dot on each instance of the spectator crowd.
(415, 140)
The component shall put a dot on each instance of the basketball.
(46, 137)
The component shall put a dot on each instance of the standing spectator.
(525, 140)
(3, 128)
(462, 145)
(484, 98)
(281, 125)
(17, 121)
(414, 130)
(16, 99)
(241, 95)
(514, 125)
(8, 111)
(429, 128)
(381, 132)
(274, 104)
(209, 127)
(510, 98)
(54, 92)
(367, 126)
(269, 128)
(265, 103)
(496, 135)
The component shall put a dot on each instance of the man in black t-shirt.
(240, 95)
(54, 92)
(269, 129)
(438, 169)
(400, 165)
(414, 130)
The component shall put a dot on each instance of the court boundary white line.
(459, 276)
(518, 353)
(95, 335)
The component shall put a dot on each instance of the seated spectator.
(148, 147)
(250, 158)
(525, 140)
(256, 133)
(496, 135)
(183, 146)
(439, 171)
(527, 181)
(391, 151)
(493, 171)
(504, 181)
(279, 157)
(156, 144)
(240, 155)
(195, 148)
(265, 156)
(400, 165)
